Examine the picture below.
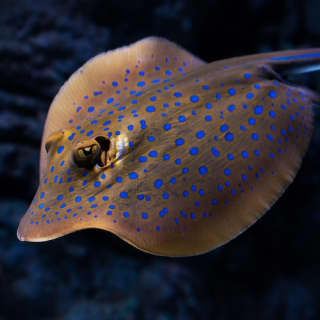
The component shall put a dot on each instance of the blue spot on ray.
(232, 91)
(215, 152)
(224, 128)
(273, 94)
(123, 195)
(229, 137)
(194, 151)
(194, 99)
(203, 170)
(158, 183)
(133, 175)
(150, 109)
(200, 134)
(60, 149)
(258, 110)
(179, 142)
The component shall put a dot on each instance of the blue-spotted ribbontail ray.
(171, 154)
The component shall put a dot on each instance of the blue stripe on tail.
(297, 57)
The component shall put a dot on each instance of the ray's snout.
(30, 228)
(36, 225)
(24, 232)
(19, 234)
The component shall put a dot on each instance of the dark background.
(269, 272)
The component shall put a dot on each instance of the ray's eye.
(87, 155)
(92, 152)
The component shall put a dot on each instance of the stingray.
(174, 155)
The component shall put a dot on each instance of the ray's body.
(191, 154)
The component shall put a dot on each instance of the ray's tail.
(282, 64)
(295, 62)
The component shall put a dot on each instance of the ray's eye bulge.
(86, 156)
(89, 153)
